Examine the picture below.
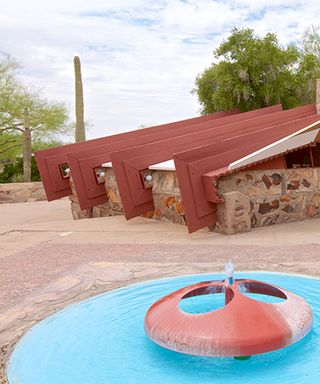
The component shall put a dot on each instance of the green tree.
(311, 40)
(8, 142)
(256, 72)
(10, 145)
(309, 67)
(11, 161)
(25, 114)
(39, 145)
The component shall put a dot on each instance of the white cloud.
(139, 58)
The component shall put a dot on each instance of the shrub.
(18, 178)
(12, 171)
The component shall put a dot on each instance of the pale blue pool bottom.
(102, 340)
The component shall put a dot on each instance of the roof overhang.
(298, 139)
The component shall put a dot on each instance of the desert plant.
(18, 178)
(80, 134)
(12, 170)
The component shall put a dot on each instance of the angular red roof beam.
(82, 163)
(194, 165)
(50, 160)
(253, 125)
(128, 164)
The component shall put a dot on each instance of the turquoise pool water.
(102, 340)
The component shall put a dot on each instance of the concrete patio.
(49, 261)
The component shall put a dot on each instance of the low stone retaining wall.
(259, 198)
(21, 192)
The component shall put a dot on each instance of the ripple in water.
(102, 341)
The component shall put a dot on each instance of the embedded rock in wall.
(22, 192)
(254, 183)
(303, 179)
(234, 214)
(252, 198)
(112, 207)
(77, 212)
(167, 198)
(276, 196)
(269, 210)
(112, 191)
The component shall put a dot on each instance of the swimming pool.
(102, 340)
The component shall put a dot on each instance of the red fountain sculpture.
(243, 327)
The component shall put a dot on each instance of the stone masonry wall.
(252, 198)
(274, 196)
(112, 207)
(167, 200)
(21, 192)
(166, 196)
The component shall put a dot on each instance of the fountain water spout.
(229, 269)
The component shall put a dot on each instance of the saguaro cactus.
(80, 134)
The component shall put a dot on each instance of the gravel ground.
(34, 268)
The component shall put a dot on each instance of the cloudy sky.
(139, 58)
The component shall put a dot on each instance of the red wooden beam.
(49, 161)
(82, 163)
(198, 168)
(128, 164)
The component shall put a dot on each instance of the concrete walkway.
(48, 260)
